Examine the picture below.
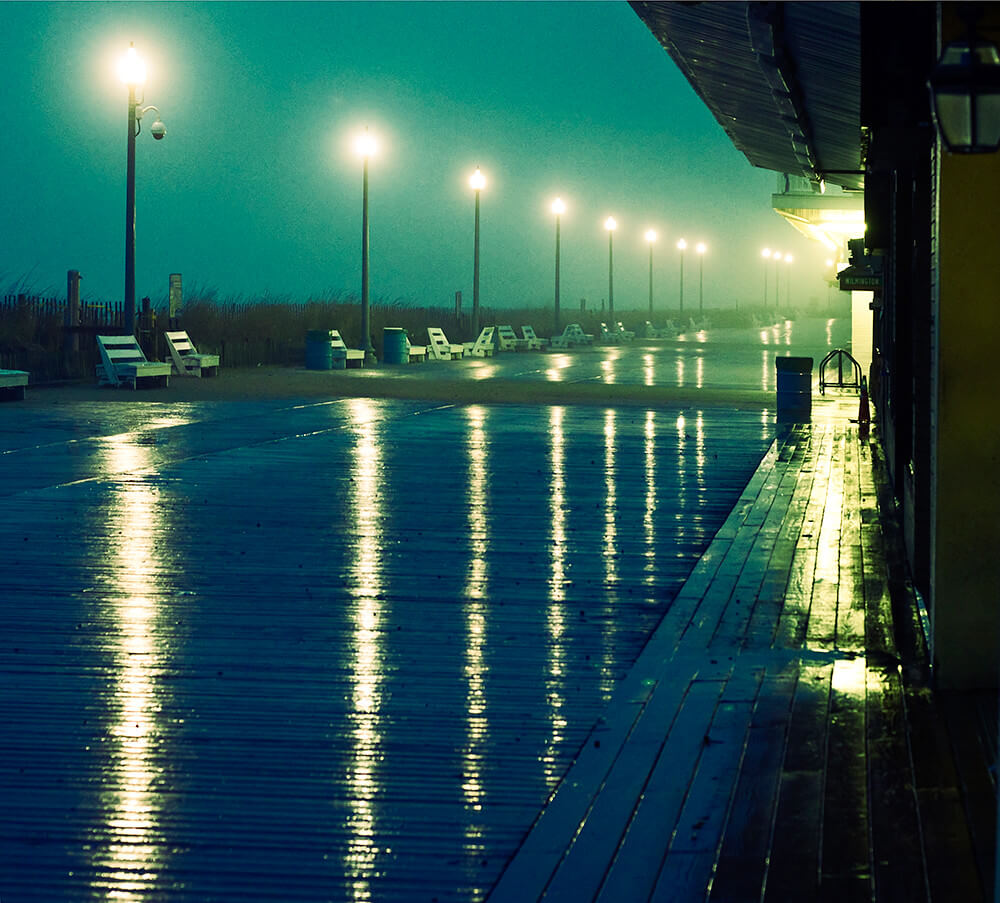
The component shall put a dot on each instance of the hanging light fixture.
(965, 95)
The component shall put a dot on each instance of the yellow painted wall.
(966, 568)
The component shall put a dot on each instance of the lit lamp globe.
(365, 146)
(132, 69)
(610, 224)
(558, 207)
(650, 235)
(681, 245)
(477, 181)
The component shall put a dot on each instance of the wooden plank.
(746, 843)
(634, 871)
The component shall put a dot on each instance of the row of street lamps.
(777, 257)
(132, 71)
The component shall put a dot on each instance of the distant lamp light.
(650, 235)
(477, 181)
(610, 224)
(681, 245)
(766, 252)
(965, 96)
(701, 247)
(558, 207)
(131, 68)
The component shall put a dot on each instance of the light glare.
(558, 207)
(766, 252)
(610, 224)
(477, 181)
(365, 145)
(701, 247)
(131, 68)
(681, 245)
(650, 235)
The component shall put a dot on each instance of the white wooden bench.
(355, 356)
(439, 348)
(13, 384)
(532, 341)
(572, 335)
(123, 363)
(483, 346)
(415, 353)
(187, 360)
(507, 340)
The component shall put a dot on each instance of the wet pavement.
(345, 648)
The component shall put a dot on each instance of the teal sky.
(255, 189)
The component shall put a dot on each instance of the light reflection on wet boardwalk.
(339, 650)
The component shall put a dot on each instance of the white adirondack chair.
(438, 346)
(483, 346)
(415, 353)
(123, 363)
(187, 360)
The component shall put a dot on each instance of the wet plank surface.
(769, 742)
(324, 650)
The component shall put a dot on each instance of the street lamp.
(681, 245)
(477, 181)
(132, 71)
(558, 208)
(611, 225)
(766, 254)
(366, 146)
(651, 238)
(777, 278)
(701, 248)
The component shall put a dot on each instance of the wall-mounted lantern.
(965, 96)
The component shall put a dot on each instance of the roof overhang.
(782, 79)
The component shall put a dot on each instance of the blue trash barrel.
(319, 349)
(338, 358)
(394, 345)
(794, 389)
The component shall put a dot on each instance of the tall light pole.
(611, 225)
(701, 248)
(681, 245)
(132, 71)
(651, 238)
(766, 254)
(366, 147)
(558, 208)
(788, 284)
(777, 279)
(477, 182)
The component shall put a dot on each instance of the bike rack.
(852, 382)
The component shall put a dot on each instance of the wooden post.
(71, 337)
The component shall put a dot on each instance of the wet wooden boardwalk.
(776, 739)
(375, 649)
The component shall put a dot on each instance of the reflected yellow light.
(366, 663)
(849, 676)
(555, 616)
(129, 869)
(648, 519)
(132, 68)
(477, 181)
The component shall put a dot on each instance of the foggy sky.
(256, 191)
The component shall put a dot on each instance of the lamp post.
(777, 279)
(132, 71)
(651, 238)
(788, 284)
(477, 181)
(701, 248)
(681, 245)
(611, 225)
(965, 89)
(558, 208)
(366, 147)
(766, 254)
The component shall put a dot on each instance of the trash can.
(338, 358)
(319, 349)
(394, 345)
(794, 389)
